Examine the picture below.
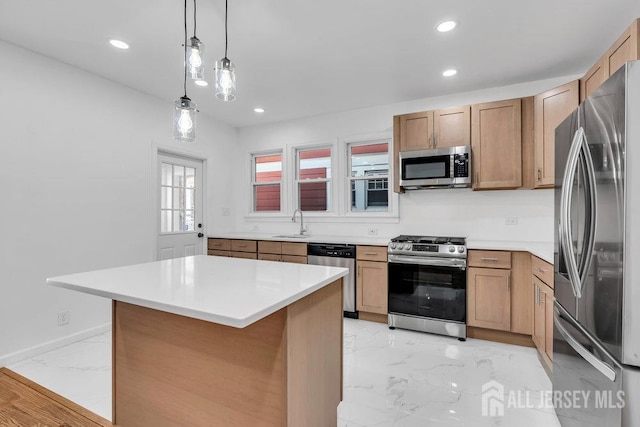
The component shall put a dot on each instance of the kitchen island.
(215, 341)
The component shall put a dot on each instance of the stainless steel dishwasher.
(338, 255)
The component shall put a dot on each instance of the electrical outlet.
(226, 211)
(511, 220)
(64, 317)
(372, 231)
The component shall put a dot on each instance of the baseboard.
(372, 317)
(11, 358)
(500, 336)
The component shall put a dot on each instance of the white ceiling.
(300, 58)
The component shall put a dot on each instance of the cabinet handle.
(509, 281)
(488, 259)
(435, 140)
(371, 253)
(537, 295)
(540, 270)
(539, 174)
(242, 246)
(477, 179)
(217, 244)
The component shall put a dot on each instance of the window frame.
(352, 179)
(330, 180)
(253, 183)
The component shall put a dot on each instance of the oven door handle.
(437, 262)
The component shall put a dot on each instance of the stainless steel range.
(428, 284)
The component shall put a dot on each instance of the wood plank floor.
(25, 403)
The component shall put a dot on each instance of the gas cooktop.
(428, 246)
(430, 240)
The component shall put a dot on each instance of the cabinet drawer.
(219, 244)
(247, 255)
(269, 257)
(297, 259)
(294, 248)
(218, 253)
(269, 247)
(490, 259)
(371, 253)
(543, 270)
(243, 245)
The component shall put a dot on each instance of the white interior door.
(180, 228)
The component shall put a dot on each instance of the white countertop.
(353, 240)
(543, 250)
(229, 291)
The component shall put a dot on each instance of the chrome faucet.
(293, 219)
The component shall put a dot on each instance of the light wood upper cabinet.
(489, 298)
(452, 127)
(593, 79)
(371, 287)
(416, 131)
(496, 142)
(550, 109)
(626, 48)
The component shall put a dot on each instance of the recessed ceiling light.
(449, 73)
(201, 83)
(446, 26)
(258, 110)
(119, 44)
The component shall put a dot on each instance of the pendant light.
(196, 50)
(225, 70)
(184, 112)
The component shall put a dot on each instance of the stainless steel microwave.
(440, 167)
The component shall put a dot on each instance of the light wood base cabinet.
(371, 282)
(371, 287)
(489, 298)
(499, 294)
(543, 299)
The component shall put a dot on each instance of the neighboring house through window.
(267, 182)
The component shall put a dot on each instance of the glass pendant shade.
(195, 62)
(225, 80)
(184, 120)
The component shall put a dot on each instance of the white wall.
(75, 182)
(478, 215)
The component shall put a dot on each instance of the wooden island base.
(284, 370)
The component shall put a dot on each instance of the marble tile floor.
(391, 378)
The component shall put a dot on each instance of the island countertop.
(228, 291)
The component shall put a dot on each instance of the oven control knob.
(460, 249)
(392, 245)
(452, 248)
(407, 247)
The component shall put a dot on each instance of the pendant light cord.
(185, 48)
(226, 35)
(195, 22)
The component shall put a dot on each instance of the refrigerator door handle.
(593, 213)
(565, 213)
(601, 366)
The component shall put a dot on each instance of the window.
(369, 177)
(177, 198)
(267, 182)
(313, 179)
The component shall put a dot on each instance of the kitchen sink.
(293, 236)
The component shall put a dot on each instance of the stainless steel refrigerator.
(597, 257)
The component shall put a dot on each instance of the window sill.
(372, 217)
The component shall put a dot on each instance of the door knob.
(199, 225)
(200, 234)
